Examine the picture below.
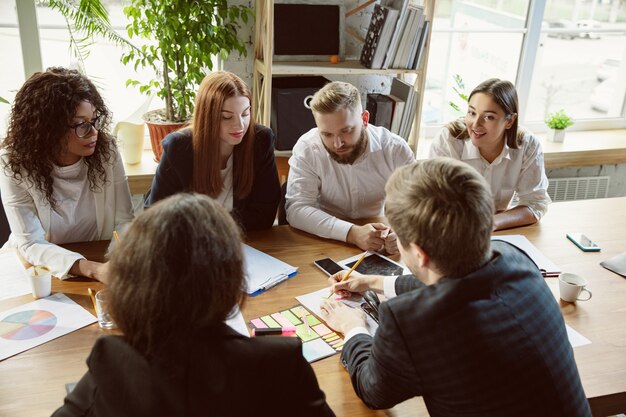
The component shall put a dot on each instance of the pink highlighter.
(274, 331)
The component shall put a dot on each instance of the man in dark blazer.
(475, 330)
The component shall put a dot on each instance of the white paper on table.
(313, 300)
(545, 265)
(263, 271)
(38, 322)
(576, 339)
(238, 324)
(13, 278)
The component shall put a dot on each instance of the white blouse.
(517, 176)
(72, 220)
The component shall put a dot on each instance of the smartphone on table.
(583, 242)
(329, 266)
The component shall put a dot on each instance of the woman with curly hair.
(62, 179)
(224, 155)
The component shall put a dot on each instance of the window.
(560, 55)
(102, 64)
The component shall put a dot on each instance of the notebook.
(616, 264)
(264, 271)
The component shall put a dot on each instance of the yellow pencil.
(345, 277)
(116, 236)
(93, 299)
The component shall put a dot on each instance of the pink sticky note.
(282, 320)
(321, 329)
(258, 323)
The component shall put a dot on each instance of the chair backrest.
(5, 230)
(282, 213)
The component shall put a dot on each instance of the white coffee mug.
(40, 279)
(571, 286)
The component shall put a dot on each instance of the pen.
(93, 299)
(274, 331)
(306, 321)
(116, 236)
(345, 277)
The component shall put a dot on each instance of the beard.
(350, 157)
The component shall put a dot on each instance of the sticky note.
(270, 321)
(336, 342)
(302, 333)
(258, 323)
(312, 320)
(331, 338)
(291, 317)
(321, 329)
(282, 320)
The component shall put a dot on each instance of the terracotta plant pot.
(158, 130)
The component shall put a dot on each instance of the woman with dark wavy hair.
(177, 275)
(224, 155)
(62, 179)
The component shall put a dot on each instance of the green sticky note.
(313, 321)
(302, 333)
(270, 321)
(291, 317)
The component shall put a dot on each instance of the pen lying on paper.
(345, 277)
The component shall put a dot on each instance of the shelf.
(325, 68)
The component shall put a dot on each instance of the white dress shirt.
(517, 176)
(320, 189)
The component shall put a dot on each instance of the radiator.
(581, 188)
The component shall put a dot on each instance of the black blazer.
(256, 211)
(218, 373)
(492, 343)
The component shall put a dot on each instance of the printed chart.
(318, 341)
(27, 324)
(37, 322)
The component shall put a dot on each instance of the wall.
(617, 174)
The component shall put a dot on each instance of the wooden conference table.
(33, 382)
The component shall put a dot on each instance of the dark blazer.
(492, 343)
(218, 373)
(254, 212)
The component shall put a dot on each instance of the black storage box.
(291, 115)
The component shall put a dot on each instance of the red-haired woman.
(224, 154)
(62, 179)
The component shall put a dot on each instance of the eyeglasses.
(486, 118)
(83, 129)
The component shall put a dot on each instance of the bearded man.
(338, 171)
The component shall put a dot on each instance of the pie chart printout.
(27, 324)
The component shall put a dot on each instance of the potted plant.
(558, 122)
(182, 37)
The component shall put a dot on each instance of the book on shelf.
(417, 41)
(382, 45)
(402, 7)
(381, 109)
(404, 91)
(422, 45)
(398, 112)
(411, 30)
(373, 35)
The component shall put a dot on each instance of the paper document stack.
(264, 271)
